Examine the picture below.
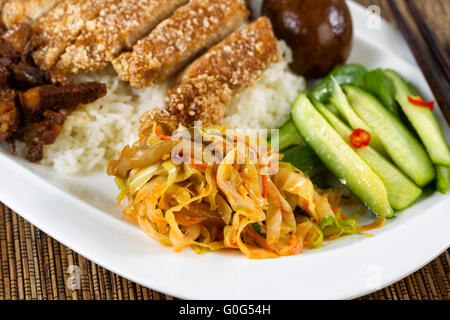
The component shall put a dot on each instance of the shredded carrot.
(260, 240)
(159, 134)
(264, 177)
(199, 166)
(248, 146)
(265, 186)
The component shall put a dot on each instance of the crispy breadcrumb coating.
(116, 28)
(179, 39)
(206, 87)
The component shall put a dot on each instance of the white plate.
(80, 212)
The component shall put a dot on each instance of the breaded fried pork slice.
(2, 25)
(118, 27)
(16, 12)
(178, 40)
(206, 87)
(62, 25)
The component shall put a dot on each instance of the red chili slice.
(162, 136)
(360, 138)
(418, 101)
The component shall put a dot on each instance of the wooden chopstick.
(429, 36)
(427, 63)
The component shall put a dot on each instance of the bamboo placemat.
(35, 266)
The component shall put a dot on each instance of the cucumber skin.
(402, 192)
(443, 179)
(339, 158)
(423, 120)
(339, 100)
(403, 148)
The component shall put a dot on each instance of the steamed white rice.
(96, 133)
(267, 103)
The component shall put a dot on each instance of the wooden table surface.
(35, 266)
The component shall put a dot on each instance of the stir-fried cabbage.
(183, 200)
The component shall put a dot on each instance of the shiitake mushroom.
(319, 32)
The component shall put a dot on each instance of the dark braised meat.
(50, 97)
(21, 38)
(46, 107)
(11, 145)
(15, 46)
(8, 51)
(25, 76)
(34, 103)
(46, 132)
(9, 114)
(4, 75)
(35, 151)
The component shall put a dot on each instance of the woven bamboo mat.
(35, 266)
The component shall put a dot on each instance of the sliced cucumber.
(443, 179)
(423, 121)
(402, 192)
(403, 148)
(332, 108)
(288, 136)
(339, 100)
(339, 158)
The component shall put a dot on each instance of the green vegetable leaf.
(344, 74)
(257, 228)
(320, 183)
(303, 158)
(377, 83)
(288, 136)
(326, 222)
